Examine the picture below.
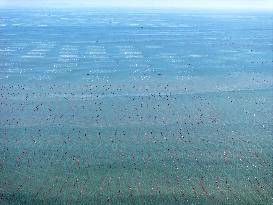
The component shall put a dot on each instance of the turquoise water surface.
(135, 107)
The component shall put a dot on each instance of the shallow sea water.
(135, 107)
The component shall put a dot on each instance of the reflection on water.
(135, 108)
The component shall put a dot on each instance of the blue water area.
(136, 107)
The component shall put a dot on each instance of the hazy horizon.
(153, 4)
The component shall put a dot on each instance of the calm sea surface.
(135, 107)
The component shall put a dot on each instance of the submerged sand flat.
(140, 107)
